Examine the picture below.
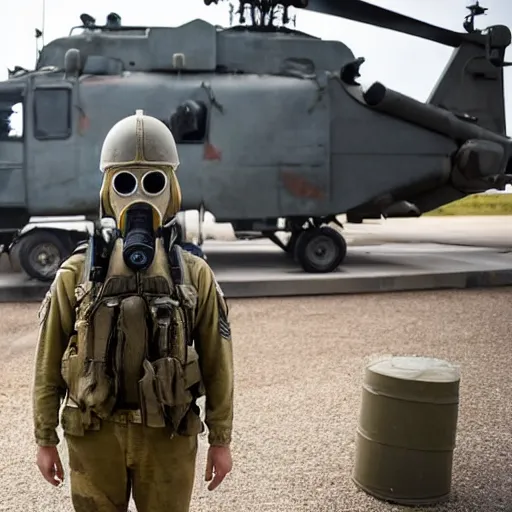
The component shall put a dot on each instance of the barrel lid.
(424, 369)
(418, 379)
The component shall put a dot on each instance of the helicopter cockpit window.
(52, 114)
(11, 117)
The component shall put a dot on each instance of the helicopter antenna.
(39, 34)
(262, 13)
(43, 22)
(231, 13)
(469, 20)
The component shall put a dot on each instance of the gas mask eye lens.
(124, 183)
(154, 182)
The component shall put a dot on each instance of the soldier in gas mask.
(133, 331)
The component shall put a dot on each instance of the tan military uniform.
(130, 354)
(107, 453)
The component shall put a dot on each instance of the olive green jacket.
(212, 342)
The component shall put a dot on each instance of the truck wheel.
(41, 254)
(320, 250)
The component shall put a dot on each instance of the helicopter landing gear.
(289, 246)
(315, 247)
(320, 249)
(292, 243)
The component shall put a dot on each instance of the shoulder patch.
(217, 286)
(224, 326)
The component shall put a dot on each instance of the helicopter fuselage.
(269, 125)
(272, 146)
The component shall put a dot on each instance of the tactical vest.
(133, 342)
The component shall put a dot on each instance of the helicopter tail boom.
(433, 118)
(472, 82)
(483, 157)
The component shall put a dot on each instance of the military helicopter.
(271, 124)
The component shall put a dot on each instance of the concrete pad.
(254, 269)
(260, 269)
(5, 264)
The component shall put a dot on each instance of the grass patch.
(478, 204)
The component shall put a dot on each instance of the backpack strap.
(177, 265)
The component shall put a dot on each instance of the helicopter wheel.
(320, 250)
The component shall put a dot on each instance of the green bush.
(478, 204)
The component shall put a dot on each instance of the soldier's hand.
(218, 465)
(48, 462)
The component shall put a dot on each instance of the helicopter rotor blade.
(364, 12)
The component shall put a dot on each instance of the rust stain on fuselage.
(299, 186)
(211, 152)
(83, 123)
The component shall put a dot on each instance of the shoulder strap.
(81, 248)
(177, 265)
(180, 274)
(97, 255)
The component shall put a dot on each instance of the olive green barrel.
(407, 430)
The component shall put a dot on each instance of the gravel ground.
(299, 366)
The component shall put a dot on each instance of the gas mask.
(140, 189)
(139, 199)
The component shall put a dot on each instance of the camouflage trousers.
(122, 457)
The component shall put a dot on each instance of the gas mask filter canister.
(139, 241)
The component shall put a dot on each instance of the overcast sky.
(405, 63)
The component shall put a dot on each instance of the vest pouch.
(191, 423)
(72, 364)
(85, 379)
(193, 378)
(170, 382)
(178, 387)
(187, 295)
(151, 408)
(162, 393)
(96, 388)
(131, 350)
(73, 424)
